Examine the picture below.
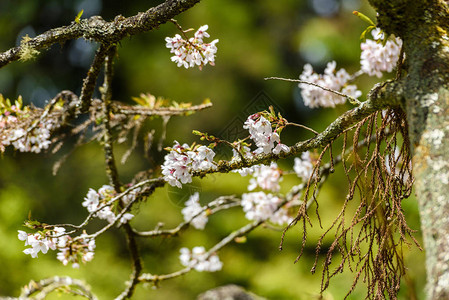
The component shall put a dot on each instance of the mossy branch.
(99, 30)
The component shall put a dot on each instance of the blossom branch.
(147, 277)
(382, 96)
(95, 28)
(153, 183)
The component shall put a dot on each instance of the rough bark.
(423, 27)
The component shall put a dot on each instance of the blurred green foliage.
(257, 39)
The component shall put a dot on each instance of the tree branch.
(95, 28)
(48, 285)
(162, 111)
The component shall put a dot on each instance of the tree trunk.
(423, 28)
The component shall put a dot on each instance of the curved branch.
(48, 285)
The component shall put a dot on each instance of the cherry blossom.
(181, 161)
(94, 200)
(262, 134)
(197, 259)
(40, 241)
(193, 209)
(193, 52)
(303, 166)
(377, 58)
(260, 206)
(266, 177)
(314, 96)
(281, 148)
(36, 140)
(76, 250)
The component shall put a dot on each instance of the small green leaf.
(78, 16)
(364, 18)
(366, 31)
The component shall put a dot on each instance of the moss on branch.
(99, 30)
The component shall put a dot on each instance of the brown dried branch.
(379, 215)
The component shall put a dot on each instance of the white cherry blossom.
(314, 96)
(376, 58)
(266, 177)
(193, 208)
(303, 166)
(259, 206)
(262, 134)
(194, 52)
(94, 200)
(180, 162)
(197, 259)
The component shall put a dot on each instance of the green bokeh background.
(258, 39)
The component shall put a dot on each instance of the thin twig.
(221, 203)
(352, 100)
(302, 126)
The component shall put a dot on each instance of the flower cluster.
(194, 213)
(243, 150)
(199, 260)
(76, 250)
(338, 81)
(35, 141)
(14, 120)
(260, 206)
(262, 134)
(97, 203)
(193, 52)
(266, 177)
(40, 241)
(303, 166)
(181, 161)
(377, 58)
